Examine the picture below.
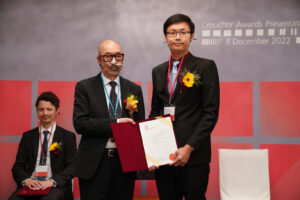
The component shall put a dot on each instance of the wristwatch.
(54, 182)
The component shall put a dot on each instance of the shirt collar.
(49, 129)
(107, 80)
(185, 57)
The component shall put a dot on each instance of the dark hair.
(48, 96)
(179, 18)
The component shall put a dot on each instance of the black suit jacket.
(91, 120)
(196, 110)
(62, 165)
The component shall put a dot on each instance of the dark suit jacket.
(91, 120)
(62, 165)
(196, 110)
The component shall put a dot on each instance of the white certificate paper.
(158, 140)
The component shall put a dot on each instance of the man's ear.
(165, 39)
(192, 37)
(98, 59)
(57, 113)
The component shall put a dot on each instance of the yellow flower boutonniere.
(56, 148)
(188, 80)
(131, 104)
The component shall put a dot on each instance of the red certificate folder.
(26, 191)
(130, 146)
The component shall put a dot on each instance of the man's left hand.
(46, 184)
(182, 156)
(124, 120)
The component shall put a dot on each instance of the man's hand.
(38, 185)
(122, 120)
(152, 168)
(33, 184)
(46, 184)
(182, 156)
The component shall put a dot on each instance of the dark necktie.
(113, 99)
(45, 148)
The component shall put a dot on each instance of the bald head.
(109, 46)
(110, 58)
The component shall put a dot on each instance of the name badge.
(170, 110)
(41, 171)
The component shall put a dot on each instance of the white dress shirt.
(41, 139)
(110, 144)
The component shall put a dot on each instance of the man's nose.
(113, 61)
(177, 36)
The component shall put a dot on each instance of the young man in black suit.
(99, 100)
(37, 153)
(187, 87)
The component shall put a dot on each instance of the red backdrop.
(279, 116)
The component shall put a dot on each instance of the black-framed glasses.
(108, 57)
(181, 33)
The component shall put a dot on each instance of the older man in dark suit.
(46, 154)
(187, 87)
(99, 100)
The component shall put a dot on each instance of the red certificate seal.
(171, 156)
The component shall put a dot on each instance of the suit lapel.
(125, 91)
(57, 137)
(162, 81)
(100, 93)
(188, 65)
(35, 143)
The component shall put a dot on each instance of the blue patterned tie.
(43, 157)
(173, 75)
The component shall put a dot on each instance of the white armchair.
(244, 174)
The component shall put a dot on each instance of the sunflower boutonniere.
(56, 148)
(188, 80)
(131, 104)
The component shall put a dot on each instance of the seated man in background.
(46, 154)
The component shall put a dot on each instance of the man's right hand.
(152, 168)
(122, 120)
(33, 184)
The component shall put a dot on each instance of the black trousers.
(55, 193)
(109, 182)
(189, 182)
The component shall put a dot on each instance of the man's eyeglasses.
(108, 57)
(181, 33)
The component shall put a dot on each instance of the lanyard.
(42, 150)
(169, 82)
(106, 92)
